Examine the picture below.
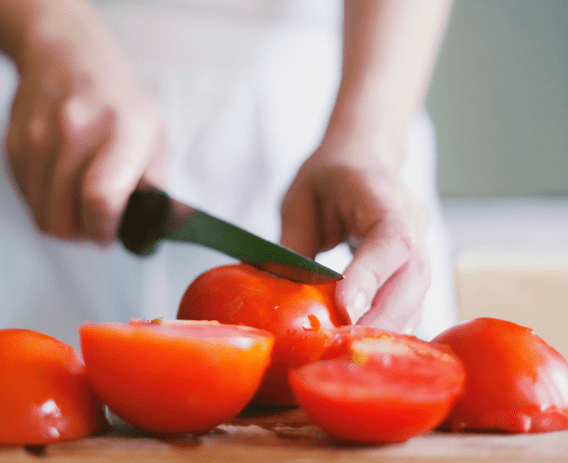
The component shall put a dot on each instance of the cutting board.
(288, 436)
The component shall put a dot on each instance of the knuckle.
(72, 120)
(372, 276)
(396, 225)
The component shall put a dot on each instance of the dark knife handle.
(143, 222)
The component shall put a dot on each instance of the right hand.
(83, 131)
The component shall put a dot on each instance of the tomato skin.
(44, 393)
(390, 388)
(297, 314)
(175, 378)
(515, 381)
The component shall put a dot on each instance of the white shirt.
(245, 90)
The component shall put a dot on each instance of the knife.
(152, 216)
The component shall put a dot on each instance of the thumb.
(300, 227)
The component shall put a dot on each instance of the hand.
(349, 190)
(83, 131)
(364, 203)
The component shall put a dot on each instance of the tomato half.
(44, 393)
(297, 314)
(392, 387)
(515, 381)
(175, 378)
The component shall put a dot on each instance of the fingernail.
(356, 306)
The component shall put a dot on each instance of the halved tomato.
(515, 381)
(176, 377)
(388, 389)
(44, 393)
(297, 314)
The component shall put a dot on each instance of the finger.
(155, 174)
(17, 148)
(16, 152)
(384, 250)
(300, 216)
(84, 130)
(31, 145)
(397, 306)
(112, 174)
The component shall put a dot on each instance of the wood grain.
(287, 436)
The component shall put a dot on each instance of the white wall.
(499, 99)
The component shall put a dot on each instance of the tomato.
(389, 387)
(44, 393)
(297, 314)
(175, 378)
(515, 381)
(340, 340)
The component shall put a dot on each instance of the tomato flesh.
(515, 381)
(44, 393)
(297, 314)
(392, 387)
(175, 378)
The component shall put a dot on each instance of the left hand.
(339, 196)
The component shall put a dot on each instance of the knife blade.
(152, 216)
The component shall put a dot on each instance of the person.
(221, 104)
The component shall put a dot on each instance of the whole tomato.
(298, 315)
(44, 393)
(515, 382)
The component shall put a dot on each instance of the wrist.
(366, 141)
(49, 28)
(16, 19)
(372, 122)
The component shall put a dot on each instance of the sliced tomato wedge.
(515, 381)
(44, 393)
(383, 387)
(177, 377)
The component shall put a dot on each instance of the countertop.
(288, 436)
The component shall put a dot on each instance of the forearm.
(390, 48)
(15, 20)
(28, 27)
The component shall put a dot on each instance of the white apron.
(245, 89)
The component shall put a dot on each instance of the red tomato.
(44, 393)
(392, 387)
(515, 382)
(297, 314)
(175, 378)
(340, 340)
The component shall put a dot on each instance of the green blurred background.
(499, 99)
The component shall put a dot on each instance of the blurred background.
(499, 100)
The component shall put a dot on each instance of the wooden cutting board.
(288, 436)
